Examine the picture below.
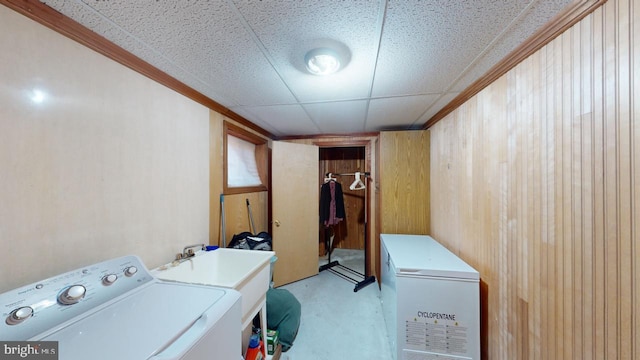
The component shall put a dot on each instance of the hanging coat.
(331, 203)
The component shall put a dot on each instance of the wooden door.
(295, 203)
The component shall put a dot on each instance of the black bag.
(248, 241)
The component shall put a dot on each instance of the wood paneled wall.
(404, 182)
(535, 182)
(237, 213)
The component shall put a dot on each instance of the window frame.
(261, 154)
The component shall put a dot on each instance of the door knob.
(277, 222)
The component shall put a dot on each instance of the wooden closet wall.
(536, 183)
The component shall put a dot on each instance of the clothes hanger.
(357, 184)
(327, 179)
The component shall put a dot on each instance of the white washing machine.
(117, 310)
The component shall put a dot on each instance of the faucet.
(187, 252)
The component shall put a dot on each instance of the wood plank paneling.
(237, 213)
(404, 182)
(534, 181)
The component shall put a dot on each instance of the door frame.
(372, 241)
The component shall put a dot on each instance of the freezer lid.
(421, 255)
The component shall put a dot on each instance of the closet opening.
(342, 238)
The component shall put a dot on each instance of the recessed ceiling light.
(322, 61)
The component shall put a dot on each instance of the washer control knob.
(72, 295)
(19, 315)
(109, 279)
(130, 271)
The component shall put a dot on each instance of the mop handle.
(253, 227)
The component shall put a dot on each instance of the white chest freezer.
(430, 300)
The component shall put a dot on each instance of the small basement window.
(245, 161)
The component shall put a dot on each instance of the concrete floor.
(336, 322)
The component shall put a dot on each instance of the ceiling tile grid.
(424, 43)
(397, 112)
(219, 47)
(407, 59)
(249, 113)
(282, 119)
(339, 118)
(288, 30)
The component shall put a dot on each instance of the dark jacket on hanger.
(331, 203)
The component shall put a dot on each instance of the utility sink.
(247, 271)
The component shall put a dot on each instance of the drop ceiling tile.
(247, 113)
(283, 119)
(289, 29)
(338, 117)
(397, 112)
(426, 45)
(536, 16)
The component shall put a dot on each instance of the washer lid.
(141, 324)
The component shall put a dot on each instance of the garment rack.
(359, 279)
(363, 173)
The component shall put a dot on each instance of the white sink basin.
(247, 271)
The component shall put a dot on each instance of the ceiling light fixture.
(37, 96)
(322, 61)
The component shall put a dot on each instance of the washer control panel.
(42, 306)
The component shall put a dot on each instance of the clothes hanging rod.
(348, 174)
